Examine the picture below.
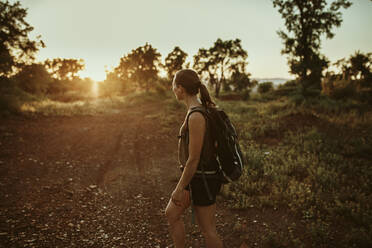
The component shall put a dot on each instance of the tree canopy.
(34, 79)
(64, 69)
(218, 62)
(141, 66)
(16, 48)
(306, 22)
(175, 61)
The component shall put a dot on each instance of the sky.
(103, 31)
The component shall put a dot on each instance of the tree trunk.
(217, 88)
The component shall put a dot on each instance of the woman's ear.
(181, 90)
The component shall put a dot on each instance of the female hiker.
(196, 154)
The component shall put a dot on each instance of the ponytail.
(205, 97)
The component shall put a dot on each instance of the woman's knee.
(172, 214)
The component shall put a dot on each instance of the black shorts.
(199, 193)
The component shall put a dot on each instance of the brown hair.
(189, 80)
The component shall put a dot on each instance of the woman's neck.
(192, 101)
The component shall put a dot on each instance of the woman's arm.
(197, 128)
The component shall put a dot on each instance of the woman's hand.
(180, 197)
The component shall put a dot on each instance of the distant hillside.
(276, 81)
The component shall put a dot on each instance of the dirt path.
(94, 181)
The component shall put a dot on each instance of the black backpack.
(229, 154)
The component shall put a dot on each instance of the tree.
(239, 79)
(361, 66)
(358, 66)
(113, 85)
(353, 80)
(265, 87)
(33, 79)
(306, 22)
(64, 69)
(216, 63)
(175, 61)
(16, 48)
(141, 66)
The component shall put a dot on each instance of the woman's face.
(177, 90)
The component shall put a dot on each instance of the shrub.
(245, 94)
(12, 97)
(33, 79)
(161, 88)
(286, 89)
(265, 87)
(338, 88)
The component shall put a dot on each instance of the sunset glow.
(71, 32)
(95, 89)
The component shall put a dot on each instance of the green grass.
(319, 168)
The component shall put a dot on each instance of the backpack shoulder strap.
(196, 109)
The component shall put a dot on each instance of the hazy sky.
(102, 31)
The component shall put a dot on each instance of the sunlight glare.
(95, 88)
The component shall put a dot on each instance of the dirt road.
(93, 181)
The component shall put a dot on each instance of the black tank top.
(208, 153)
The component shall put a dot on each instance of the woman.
(194, 155)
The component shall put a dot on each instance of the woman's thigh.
(206, 216)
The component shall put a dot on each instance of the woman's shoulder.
(197, 121)
(196, 116)
(197, 112)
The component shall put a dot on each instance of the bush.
(161, 88)
(286, 89)
(12, 97)
(265, 87)
(338, 88)
(246, 94)
(33, 79)
(364, 90)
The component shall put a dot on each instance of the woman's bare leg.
(207, 223)
(176, 225)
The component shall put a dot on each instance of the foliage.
(306, 22)
(338, 88)
(16, 48)
(358, 66)
(354, 80)
(240, 80)
(12, 97)
(287, 89)
(265, 87)
(141, 67)
(64, 69)
(113, 86)
(217, 63)
(33, 79)
(311, 161)
(83, 85)
(175, 61)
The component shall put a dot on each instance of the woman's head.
(187, 82)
